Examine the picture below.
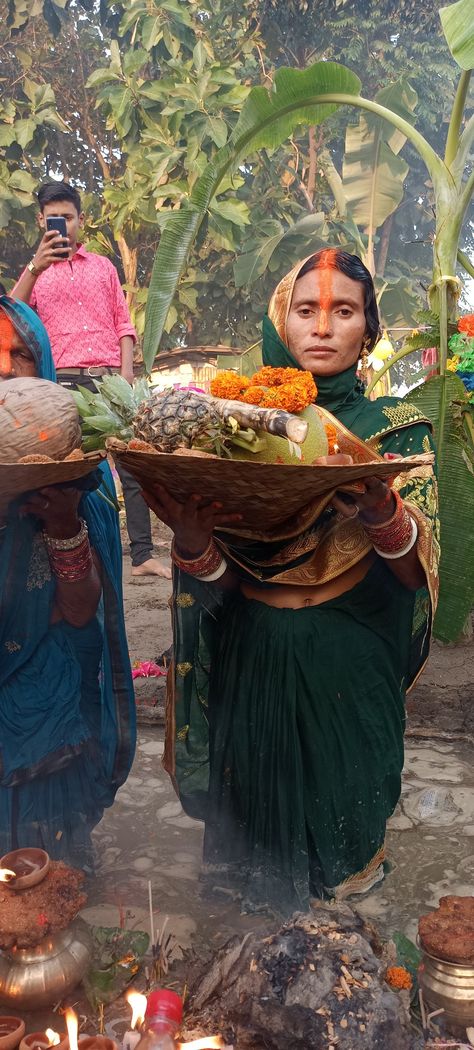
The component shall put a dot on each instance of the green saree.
(285, 727)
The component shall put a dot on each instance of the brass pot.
(449, 986)
(36, 977)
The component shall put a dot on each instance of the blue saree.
(67, 711)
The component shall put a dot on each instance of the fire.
(71, 1025)
(138, 1003)
(6, 875)
(210, 1042)
(53, 1037)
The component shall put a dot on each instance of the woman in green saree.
(293, 650)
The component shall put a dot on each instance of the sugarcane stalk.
(273, 420)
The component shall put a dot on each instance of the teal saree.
(67, 708)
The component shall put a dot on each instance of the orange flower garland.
(287, 388)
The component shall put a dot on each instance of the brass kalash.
(446, 974)
(55, 963)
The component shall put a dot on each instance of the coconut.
(37, 418)
(279, 450)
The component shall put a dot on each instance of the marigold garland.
(399, 977)
(288, 388)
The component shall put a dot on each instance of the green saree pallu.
(285, 726)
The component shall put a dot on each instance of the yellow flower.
(452, 363)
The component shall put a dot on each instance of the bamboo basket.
(270, 493)
(16, 479)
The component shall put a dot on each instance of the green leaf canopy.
(457, 21)
(456, 491)
(266, 120)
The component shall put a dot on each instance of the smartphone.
(57, 222)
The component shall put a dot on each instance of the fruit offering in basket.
(270, 429)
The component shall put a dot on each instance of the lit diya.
(87, 1042)
(23, 868)
(11, 1031)
(44, 1040)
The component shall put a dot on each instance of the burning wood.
(317, 977)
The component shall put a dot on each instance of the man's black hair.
(353, 267)
(58, 191)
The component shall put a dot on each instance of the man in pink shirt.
(81, 303)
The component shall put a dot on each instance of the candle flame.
(53, 1037)
(71, 1025)
(138, 1003)
(210, 1042)
(6, 875)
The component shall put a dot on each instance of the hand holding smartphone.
(57, 222)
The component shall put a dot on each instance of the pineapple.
(174, 418)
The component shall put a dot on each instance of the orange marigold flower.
(466, 324)
(228, 384)
(254, 395)
(268, 376)
(399, 977)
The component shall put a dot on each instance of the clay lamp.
(86, 1042)
(44, 1040)
(12, 1029)
(24, 867)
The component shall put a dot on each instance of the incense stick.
(150, 901)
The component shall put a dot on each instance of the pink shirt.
(83, 308)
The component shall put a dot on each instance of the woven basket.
(18, 478)
(269, 493)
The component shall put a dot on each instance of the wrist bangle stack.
(70, 559)
(395, 537)
(208, 567)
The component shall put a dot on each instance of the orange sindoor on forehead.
(7, 335)
(325, 268)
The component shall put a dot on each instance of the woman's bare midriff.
(290, 596)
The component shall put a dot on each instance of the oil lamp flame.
(210, 1042)
(71, 1025)
(138, 1003)
(6, 875)
(53, 1037)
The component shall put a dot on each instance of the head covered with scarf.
(44, 732)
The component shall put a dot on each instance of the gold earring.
(364, 357)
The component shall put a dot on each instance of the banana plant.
(309, 96)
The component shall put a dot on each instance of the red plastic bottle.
(164, 1012)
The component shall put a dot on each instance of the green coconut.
(280, 450)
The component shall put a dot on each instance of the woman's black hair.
(352, 267)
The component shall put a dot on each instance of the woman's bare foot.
(152, 567)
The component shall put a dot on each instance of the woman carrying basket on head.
(292, 656)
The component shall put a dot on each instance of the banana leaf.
(266, 120)
(456, 498)
(457, 21)
(373, 173)
(116, 958)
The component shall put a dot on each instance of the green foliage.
(116, 959)
(444, 401)
(456, 20)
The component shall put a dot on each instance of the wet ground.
(146, 837)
